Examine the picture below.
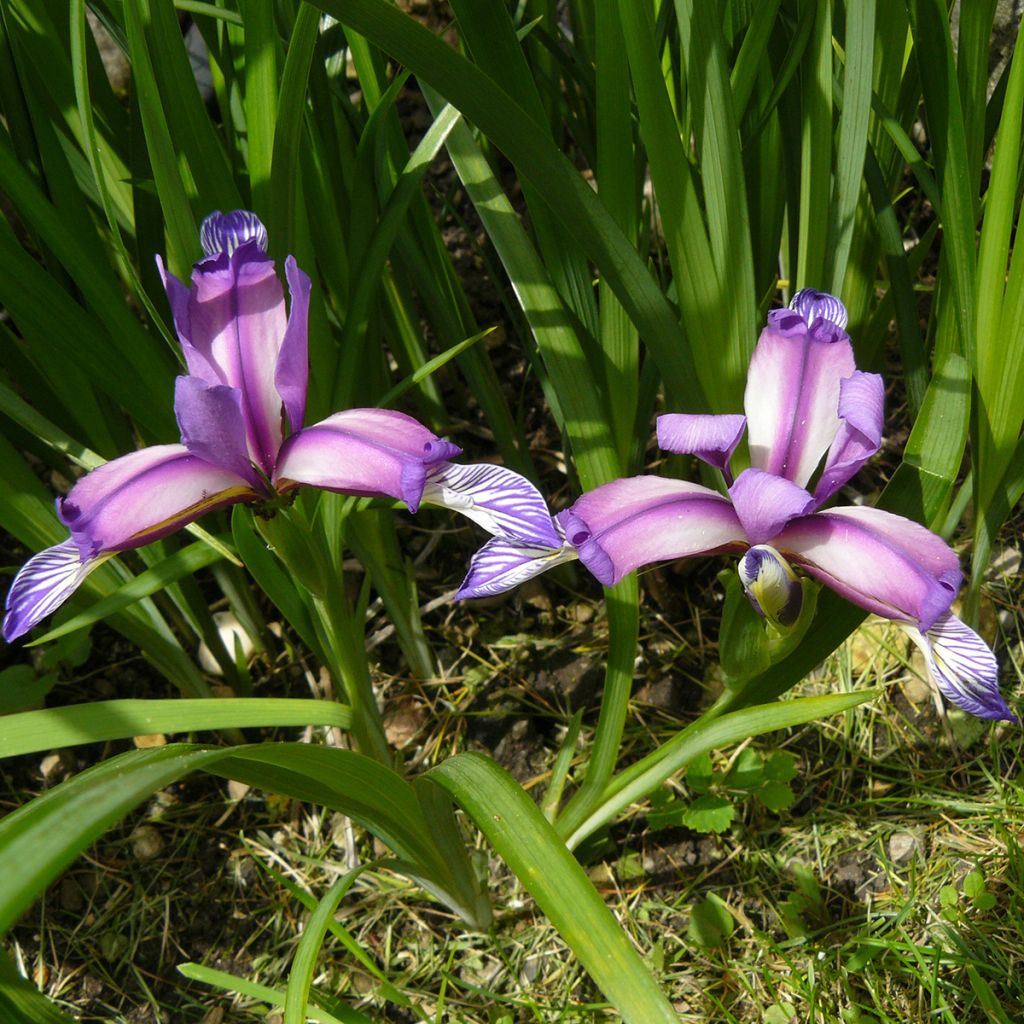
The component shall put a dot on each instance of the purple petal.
(43, 584)
(231, 325)
(146, 495)
(367, 452)
(764, 503)
(225, 232)
(502, 564)
(771, 585)
(212, 427)
(178, 297)
(711, 438)
(814, 306)
(963, 667)
(862, 416)
(291, 376)
(624, 524)
(792, 399)
(498, 499)
(881, 562)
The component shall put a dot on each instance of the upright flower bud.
(771, 585)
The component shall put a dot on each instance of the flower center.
(771, 585)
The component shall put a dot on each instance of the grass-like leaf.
(525, 840)
(53, 728)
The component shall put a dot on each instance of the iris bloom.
(805, 402)
(240, 410)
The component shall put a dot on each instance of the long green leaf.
(525, 840)
(815, 151)
(638, 781)
(853, 136)
(40, 839)
(947, 134)
(53, 728)
(539, 161)
(264, 993)
(300, 978)
(999, 370)
(172, 184)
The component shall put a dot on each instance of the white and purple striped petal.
(862, 416)
(212, 427)
(815, 306)
(500, 500)
(502, 564)
(711, 438)
(146, 495)
(792, 396)
(963, 667)
(367, 452)
(881, 562)
(225, 232)
(764, 503)
(43, 584)
(626, 523)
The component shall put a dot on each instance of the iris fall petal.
(146, 495)
(500, 500)
(626, 523)
(963, 668)
(370, 452)
(43, 584)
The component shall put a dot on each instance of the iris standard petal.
(626, 523)
(711, 438)
(881, 562)
(500, 500)
(815, 306)
(764, 503)
(502, 564)
(231, 325)
(146, 495)
(963, 667)
(225, 232)
(179, 298)
(43, 584)
(212, 426)
(861, 416)
(291, 376)
(792, 397)
(368, 452)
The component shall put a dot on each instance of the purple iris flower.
(240, 410)
(805, 402)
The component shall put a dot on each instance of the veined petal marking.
(500, 500)
(225, 232)
(963, 667)
(43, 584)
(502, 564)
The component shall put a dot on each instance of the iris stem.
(623, 632)
(343, 645)
(306, 553)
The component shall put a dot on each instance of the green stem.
(307, 556)
(623, 632)
(343, 644)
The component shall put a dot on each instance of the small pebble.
(146, 842)
(903, 847)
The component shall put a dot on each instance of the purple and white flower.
(240, 410)
(805, 402)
